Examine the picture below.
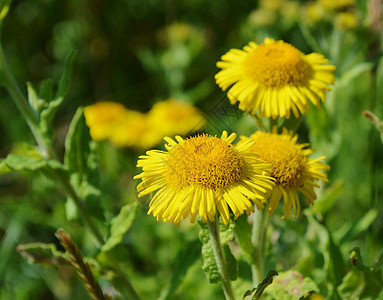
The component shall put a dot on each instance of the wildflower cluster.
(129, 128)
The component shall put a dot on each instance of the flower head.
(292, 170)
(173, 117)
(201, 175)
(135, 130)
(102, 117)
(274, 78)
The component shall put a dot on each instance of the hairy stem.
(220, 259)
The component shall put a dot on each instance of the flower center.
(287, 158)
(276, 65)
(203, 160)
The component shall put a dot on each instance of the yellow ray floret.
(274, 79)
(292, 170)
(202, 175)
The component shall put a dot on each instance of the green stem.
(28, 113)
(219, 258)
(258, 239)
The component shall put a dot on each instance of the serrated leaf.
(184, 260)
(120, 225)
(45, 254)
(50, 110)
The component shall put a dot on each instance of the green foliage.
(81, 160)
(120, 225)
(209, 266)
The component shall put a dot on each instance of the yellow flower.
(346, 20)
(313, 13)
(102, 117)
(200, 175)
(135, 130)
(172, 117)
(262, 17)
(274, 78)
(292, 169)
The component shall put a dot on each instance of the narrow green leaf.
(45, 254)
(231, 262)
(264, 284)
(333, 260)
(243, 235)
(4, 8)
(49, 112)
(33, 99)
(81, 160)
(46, 90)
(360, 226)
(120, 225)
(65, 78)
(184, 260)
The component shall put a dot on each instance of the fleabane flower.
(102, 118)
(274, 79)
(135, 130)
(172, 117)
(292, 170)
(202, 175)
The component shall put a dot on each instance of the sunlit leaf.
(120, 225)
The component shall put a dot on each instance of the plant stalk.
(220, 259)
(258, 239)
(30, 116)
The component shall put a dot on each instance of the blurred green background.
(139, 52)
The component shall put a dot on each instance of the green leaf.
(50, 110)
(184, 260)
(33, 99)
(120, 225)
(45, 254)
(329, 197)
(4, 8)
(290, 285)
(363, 282)
(46, 90)
(243, 234)
(360, 226)
(81, 160)
(28, 163)
(209, 264)
(333, 260)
